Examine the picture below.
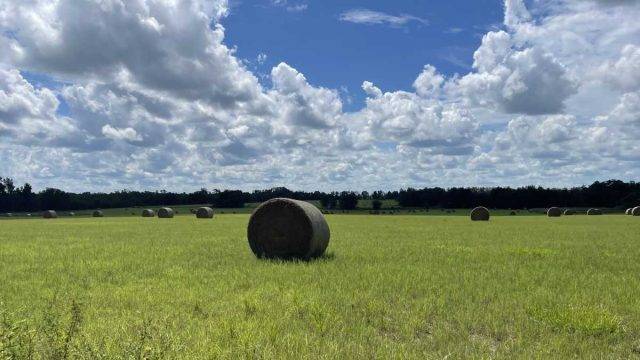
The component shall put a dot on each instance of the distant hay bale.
(636, 211)
(8, 215)
(288, 229)
(29, 215)
(569, 212)
(98, 213)
(50, 214)
(594, 212)
(480, 213)
(165, 213)
(628, 212)
(513, 213)
(72, 214)
(554, 212)
(148, 213)
(204, 213)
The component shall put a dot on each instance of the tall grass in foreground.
(391, 287)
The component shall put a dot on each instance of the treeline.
(612, 193)
(607, 194)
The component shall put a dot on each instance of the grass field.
(424, 287)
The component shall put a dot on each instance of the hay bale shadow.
(326, 257)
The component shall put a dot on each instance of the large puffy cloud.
(546, 138)
(527, 81)
(407, 119)
(28, 115)
(304, 105)
(624, 73)
(616, 134)
(20, 101)
(156, 98)
(162, 45)
(515, 13)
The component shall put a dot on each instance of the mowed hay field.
(391, 287)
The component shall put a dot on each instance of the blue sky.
(335, 53)
(328, 95)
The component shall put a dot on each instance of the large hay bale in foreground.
(594, 212)
(50, 214)
(480, 213)
(204, 213)
(165, 213)
(288, 229)
(148, 213)
(98, 213)
(569, 212)
(554, 212)
(636, 211)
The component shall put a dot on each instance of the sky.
(101, 95)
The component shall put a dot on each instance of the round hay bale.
(594, 212)
(554, 212)
(72, 214)
(98, 213)
(204, 213)
(148, 213)
(50, 214)
(480, 213)
(569, 212)
(165, 213)
(636, 211)
(513, 213)
(288, 229)
(628, 211)
(9, 215)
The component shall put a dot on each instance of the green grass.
(423, 287)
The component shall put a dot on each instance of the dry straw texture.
(204, 213)
(480, 213)
(50, 214)
(148, 213)
(288, 229)
(165, 213)
(594, 212)
(554, 212)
